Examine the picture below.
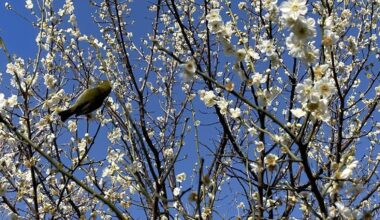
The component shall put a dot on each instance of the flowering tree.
(267, 107)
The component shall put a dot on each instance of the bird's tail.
(65, 114)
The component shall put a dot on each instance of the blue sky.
(17, 31)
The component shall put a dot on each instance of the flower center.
(327, 41)
(312, 106)
(295, 7)
(318, 72)
(325, 88)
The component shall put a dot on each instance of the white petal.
(298, 112)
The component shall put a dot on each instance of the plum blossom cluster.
(343, 172)
(189, 69)
(314, 97)
(7, 102)
(224, 33)
(268, 47)
(271, 161)
(210, 99)
(21, 79)
(341, 210)
(302, 31)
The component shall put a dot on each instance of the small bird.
(88, 101)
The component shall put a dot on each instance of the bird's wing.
(86, 97)
(85, 109)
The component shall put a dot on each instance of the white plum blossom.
(7, 102)
(215, 22)
(169, 153)
(72, 126)
(208, 97)
(240, 205)
(7, 6)
(181, 177)
(238, 70)
(228, 48)
(176, 191)
(304, 29)
(271, 161)
(347, 172)
(214, 15)
(28, 4)
(259, 146)
(216, 26)
(227, 31)
(115, 135)
(11, 101)
(293, 8)
(252, 131)
(252, 54)
(352, 46)
(307, 52)
(319, 108)
(377, 90)
(254, 167)
(320, 71)
(267, 47)
(16, 68)
(50, 81)
(329, 38)
(235, 112)
(325, 87)
(241, 54)
(266, 96)
(223, 105)
(295, 46)
(310, 54)
(314, 97)
(271, 5)
(242, 5)
(189, 69)
(344, 211)
(298, 113)
(257, 79)
(2, 100)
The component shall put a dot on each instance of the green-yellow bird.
(88, 101)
